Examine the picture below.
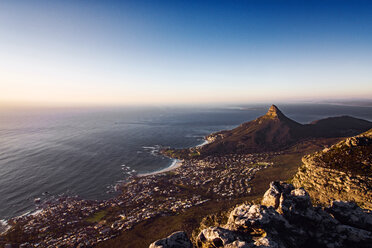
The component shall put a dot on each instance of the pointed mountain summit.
(274, 112)
(274, 131)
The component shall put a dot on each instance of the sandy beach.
(176, 163)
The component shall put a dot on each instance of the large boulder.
(217, 237)
(175, 240)
(285, 198)
(273, 194)
(247, 217)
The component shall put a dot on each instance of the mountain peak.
(274, 112)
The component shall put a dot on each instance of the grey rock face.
(175, 240)
(217, 237)
(273, 194)
(246, 217)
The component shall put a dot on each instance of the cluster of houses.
(74, 222)
(225, 176)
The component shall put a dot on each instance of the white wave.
(36, 212)
(25, 214)
(4, 226)
(193, 136)
(174, 163)
(204, 143)
(154, 150)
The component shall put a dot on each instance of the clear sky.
(143, 52)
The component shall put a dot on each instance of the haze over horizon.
(175, 52)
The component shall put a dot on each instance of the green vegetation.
(177, 153)
(169, 152)
(170, 173)
(194, 154)
(97, 217)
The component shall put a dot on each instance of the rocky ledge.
(343, 172)
(286, 218)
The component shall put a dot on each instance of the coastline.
(176, 163)
(204, 143)
(4, 226)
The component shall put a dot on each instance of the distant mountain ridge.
(275, 131)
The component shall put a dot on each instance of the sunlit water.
(45, 153)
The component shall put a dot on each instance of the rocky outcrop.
(341, 172)
(175, 240)
(326, 185)
(287, 218)
(217, 237)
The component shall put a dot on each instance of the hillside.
(341, 172)
(274, 131)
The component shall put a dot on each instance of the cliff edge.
(341, 172)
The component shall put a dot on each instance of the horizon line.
(367, 102)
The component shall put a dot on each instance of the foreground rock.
(175, 240)
(343, 171)
(288, 219)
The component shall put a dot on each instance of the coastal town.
(75, 222)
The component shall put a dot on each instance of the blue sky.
(176, 52)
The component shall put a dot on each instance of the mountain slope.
(274, 131)
(342, 172)
(338, 126)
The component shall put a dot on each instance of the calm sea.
(48, 152)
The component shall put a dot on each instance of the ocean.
(45, 153)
